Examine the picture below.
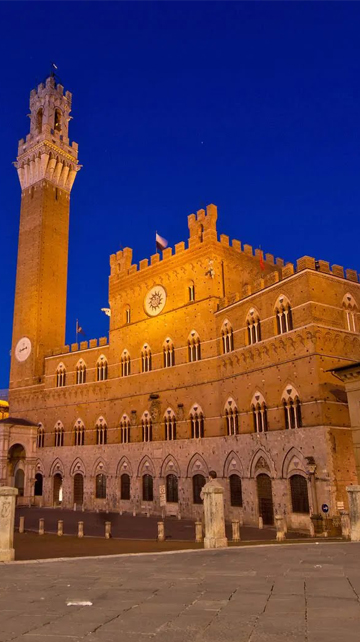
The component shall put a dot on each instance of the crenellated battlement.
(202, 227)
(78, 347)
(288, 270)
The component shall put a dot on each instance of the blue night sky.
(251, 106)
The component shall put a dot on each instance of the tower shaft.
(47, 167)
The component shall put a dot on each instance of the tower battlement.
(46, 152)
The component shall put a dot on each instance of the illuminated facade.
(217, 358)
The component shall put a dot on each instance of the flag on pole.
(79, 329)
(161, 243)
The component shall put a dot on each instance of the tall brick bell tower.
(47, 165)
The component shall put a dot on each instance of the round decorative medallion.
(155, 300)
(23, 349)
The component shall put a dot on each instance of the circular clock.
(23, 349)
(155, 300)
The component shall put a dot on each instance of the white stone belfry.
(214, 518)
(7, 522)
(354, 512)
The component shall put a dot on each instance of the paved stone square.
(293, 593)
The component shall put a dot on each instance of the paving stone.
(234, 596)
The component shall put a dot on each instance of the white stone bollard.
(60, 531)
(134, 513)
(261, 522)
(311, 528)
(198, 532)
(280, 532)
(354, 512)
(75, 507)
(345, 524)
(41, 526)
(107, 530)
(161, 531)
(235, 530)
(213, 496)
(21, 524)
(7, 523)
(80, 529)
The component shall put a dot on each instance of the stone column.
(345, 524)
(7, 522)
(354, 512)
(280, 531)
(213, 496)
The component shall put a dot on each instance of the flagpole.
(156, 250)
(76, 330)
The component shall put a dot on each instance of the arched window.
(292, 408)
(299, 494)
(168, 353)
(194, 347)
(235, 490)
(198, 482)
(227, 337)
(146, 424)
(79, 433)
(191, 291)
(100, 486)
(59, 434)
(253, 327)
(39, 120)
(125, 430)
(127, 314)
(125, 364)
(38, 489)
(231, 417)
(170, 425)
(80, 372)
(259, 411)
(125, 486)
(283, 315)
(197, 422)
(60, 376)
(101, 369)
(101, 432)
(40, 437)
(146, 358)
(147, 488)
(350, 309)
(172, 493)
(57, 120)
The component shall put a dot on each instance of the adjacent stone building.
(218, 358)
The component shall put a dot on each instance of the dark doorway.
(38, 485)
(19, 481)
(78, 489)
(266, 508)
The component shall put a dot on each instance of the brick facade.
(248, 336)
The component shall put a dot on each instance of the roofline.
(278, 283)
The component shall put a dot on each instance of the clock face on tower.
(155, 300)
(23, 349)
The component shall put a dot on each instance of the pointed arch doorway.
(265, 499)
(78, 489)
